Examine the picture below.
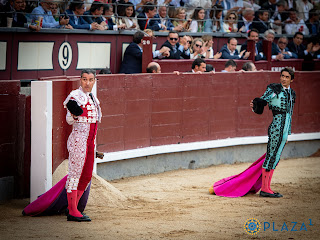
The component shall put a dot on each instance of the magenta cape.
(249, 181)
(54, 201)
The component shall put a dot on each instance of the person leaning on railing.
(145, 20)
(55, 9)
(109, 18)
(44, 10)
(197, 49)
(262, 22)
(94, 15)
(230, 23)
(15, 9)
(163, 19)
(127, 16)
(245, 20)
(75, 13)
(208, 47)
(180, 19)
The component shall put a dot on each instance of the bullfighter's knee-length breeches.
(277, 137)
(81, 147)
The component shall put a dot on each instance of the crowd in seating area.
(178, 18)
(282, 16)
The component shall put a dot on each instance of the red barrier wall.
(60, 128)
(74, 38)
(14, 142)
(182, 65)
(149, 110)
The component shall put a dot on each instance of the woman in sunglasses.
(180, 19)
(197, 49)
(230, 22)
(198, 22)
(208, 50)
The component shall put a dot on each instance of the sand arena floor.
(177, 205)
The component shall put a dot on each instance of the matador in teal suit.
(280, 98)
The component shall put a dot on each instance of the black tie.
(90, 94)
(288, 97)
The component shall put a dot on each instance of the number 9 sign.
(65, 55)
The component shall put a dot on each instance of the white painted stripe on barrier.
(41, 138)
(148, 151)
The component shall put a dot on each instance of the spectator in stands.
(297, 47)
(230, 23)
(303, 8)
(275, 52)
(249, 67)
(261, 23)
(282, 45)
(44, 10)
(229, 50)
(198, 22)
(230, 66)
(254, 35)
(127, 16)
(108, 18)
(121, 5)
(208, 52)
(270, 5)
(132, 59)
(245, 23)
(214, 23)
(149, 32)
(209, 68)
(197, 49)
(177, 50)
(55, 11)
(313, 22)
(291, 4)
(164, 20)
(236, 6)
(140, 6)
(105, 71)
(192, 5)
(145, 18)
(180, 20)
(94, 15)
(198, 66)
(295, 24)
(225, 4)
(15, 10)
(251, 4)
(153, 67)
(278, 16)
(75, 12)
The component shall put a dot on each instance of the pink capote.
(54, 201)
(249, 181)
(45, 200)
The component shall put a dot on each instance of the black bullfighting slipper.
(78, 219)
(66, 212)
(278, 194)
(274, 195)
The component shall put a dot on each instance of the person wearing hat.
(280, 98)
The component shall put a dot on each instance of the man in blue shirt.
(48, 21)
